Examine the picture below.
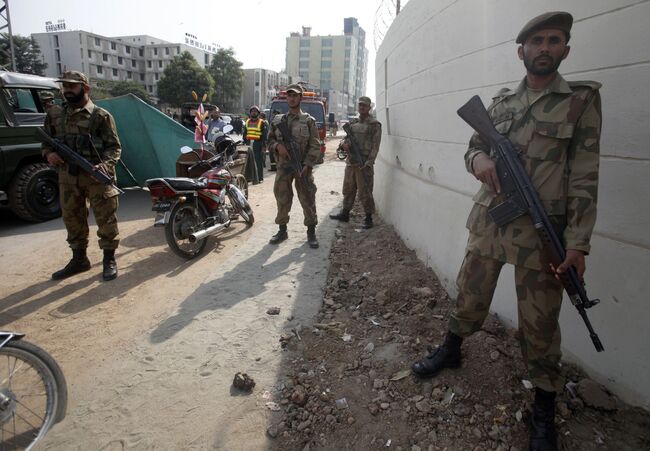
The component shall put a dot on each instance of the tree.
(182, 76)
(229, 79)
(105, 89)
(27, 53)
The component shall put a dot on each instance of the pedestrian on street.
(303, 129)
(556, 125)
(215, 124)
(255, 131)
(90, 131)
(359, 176)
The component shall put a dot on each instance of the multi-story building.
(260, 85)
(336, 64)
(138, 58)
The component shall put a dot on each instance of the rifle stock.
(522, 198)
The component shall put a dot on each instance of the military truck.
(27, 184)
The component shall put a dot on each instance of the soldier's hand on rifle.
(282, 151)
(573, 258)
(306, 170)
(485, 170)
(54, 159)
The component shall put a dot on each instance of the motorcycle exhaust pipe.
(212, 230)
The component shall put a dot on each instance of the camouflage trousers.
(75, 198)
(355, 181)
(539, 298)
(306, 190)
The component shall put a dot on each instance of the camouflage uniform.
(303, 129)
(558, 136)
(77, 188)
(368, 135)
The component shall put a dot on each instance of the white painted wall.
(436, 55)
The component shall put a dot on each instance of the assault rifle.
(74, 159)
(520, 199)
(292, 147)
(357, 158)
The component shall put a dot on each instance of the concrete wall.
(436, 55)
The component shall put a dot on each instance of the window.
(141, 52)
(326, 53)
(97, 43)
(90, 54)
(133, 63)
(304, 42)
(155, 51)
(57, 52)
(149, 88)
(326, 42)
(160, 64)
(304, 54)
(21, 100)
(303, 64)
(58, 68)
(141, 77)
(166, 50)
(347, 53)
(113, 46)
(100, 70)
(348, 41)
(56, 41)
(157, 76)
(178, 50)
(129, 74)
(326, 63)
(104, 57)
(114, 72)
(304, 75)
(149, 64)
(127, 49)
(325, 85)
(120, 60)
(206, 59)
(326, 75)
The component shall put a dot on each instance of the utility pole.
(4, 14)
(397, 7)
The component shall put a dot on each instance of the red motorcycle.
(192, 209)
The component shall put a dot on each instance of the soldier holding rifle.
(556, 126)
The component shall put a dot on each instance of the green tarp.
(151, 141)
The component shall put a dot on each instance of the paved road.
(150, 357)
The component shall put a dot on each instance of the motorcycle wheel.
(242, 184)
(241, 207)
(33, 394)
(183, 221)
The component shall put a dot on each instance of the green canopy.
(151, 140)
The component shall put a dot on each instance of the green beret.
(558, 20)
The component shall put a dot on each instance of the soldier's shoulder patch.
(307, 117)
(503, 92)
(592, 85)
(277, 118)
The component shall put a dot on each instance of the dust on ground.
(348, 385)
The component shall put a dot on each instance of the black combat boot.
(110, 265)
(543, 436)
(447, 355)
(79, 263)
(343, 216)
(280, 236)
(311, 237)
(367, 223)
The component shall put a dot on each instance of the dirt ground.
(150, 357)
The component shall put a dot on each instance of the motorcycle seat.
(186, 183)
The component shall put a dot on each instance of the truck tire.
(34, 193)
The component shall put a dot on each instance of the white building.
(138, 58)
(333, 63)
(435, 56)
(260, 85)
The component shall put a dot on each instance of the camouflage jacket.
(304, 131)
(368, 135)
(558, 137)
(73, 128)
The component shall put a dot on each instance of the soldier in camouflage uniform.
(90, 131)
(303, 129)
(556, 126)
(367, 131)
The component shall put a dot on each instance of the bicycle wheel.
(33, 394)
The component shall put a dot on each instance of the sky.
(255, 29)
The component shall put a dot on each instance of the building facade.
(260, 85)
(336, 64)
(139, 58)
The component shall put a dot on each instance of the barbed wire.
(384, 16)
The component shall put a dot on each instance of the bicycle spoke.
(30, 411)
